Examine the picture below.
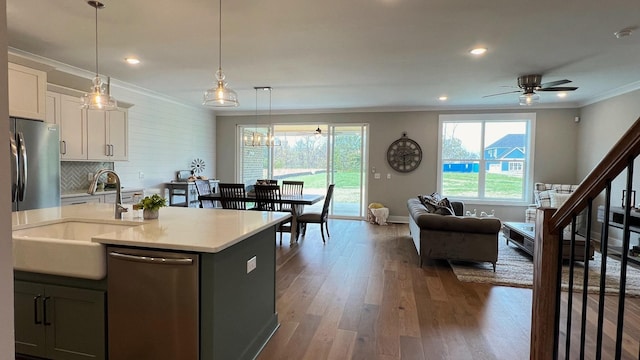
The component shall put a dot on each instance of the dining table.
(297, 203)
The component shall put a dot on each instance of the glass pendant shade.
(529, 98)
(99, 98)
(221, 95)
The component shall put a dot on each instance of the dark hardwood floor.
(363, 296)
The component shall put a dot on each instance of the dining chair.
(318, 218)
(203, 188)
(291, 187)
(268, 199)
(231, 196)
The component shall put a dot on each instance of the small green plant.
(153, 202)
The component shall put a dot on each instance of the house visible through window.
(486, 157)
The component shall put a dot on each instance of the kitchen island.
(234, 254)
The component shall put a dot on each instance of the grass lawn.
(347, 188)
(496, 185)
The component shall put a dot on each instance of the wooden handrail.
(628, 147)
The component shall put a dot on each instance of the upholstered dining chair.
(268, 199)
(318, 218)
(231, 195)
(204, 188)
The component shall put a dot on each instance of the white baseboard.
(398, 219)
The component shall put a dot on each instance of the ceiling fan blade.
(558, 88)
(554, 83)
(508, 92)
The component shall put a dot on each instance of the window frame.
(528, 165)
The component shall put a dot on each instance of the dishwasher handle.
(151, 259)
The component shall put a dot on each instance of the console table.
(185, 194)
(523, 236)
(616, 220)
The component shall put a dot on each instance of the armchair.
(552, 195)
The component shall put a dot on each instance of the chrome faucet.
(119, 209)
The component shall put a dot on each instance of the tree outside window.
(485, 157)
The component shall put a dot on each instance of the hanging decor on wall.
(197, 166)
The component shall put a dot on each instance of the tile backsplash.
(73, 174)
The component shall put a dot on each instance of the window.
(486, 157)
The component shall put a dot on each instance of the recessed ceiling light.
(562, 94)
(443, 98)
(478, 51)
(132, 61)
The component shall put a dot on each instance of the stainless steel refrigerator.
(35, 164)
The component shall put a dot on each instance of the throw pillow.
(444, 207)
(556, 199)
(543, 198)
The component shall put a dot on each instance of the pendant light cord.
(97, 73)
(220, 35)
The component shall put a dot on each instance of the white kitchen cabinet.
(83, 199)
(108, 197)
(107, 135)
(66, 111)
(27, 91)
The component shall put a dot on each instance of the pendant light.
(100, 96)
(220, 95)
(255, 138)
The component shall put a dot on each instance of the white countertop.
(177, 228)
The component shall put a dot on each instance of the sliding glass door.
(334, 154)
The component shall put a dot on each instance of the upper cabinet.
(90, 135)
(27, 91)
(107, 135)
(66, 111)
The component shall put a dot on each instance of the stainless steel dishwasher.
(152, 304)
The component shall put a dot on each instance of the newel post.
(545, 281)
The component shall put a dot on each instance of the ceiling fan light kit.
(529, 84)
(100, 96)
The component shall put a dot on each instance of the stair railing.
(550, 303)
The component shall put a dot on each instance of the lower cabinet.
(59, 322)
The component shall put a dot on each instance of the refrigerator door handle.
(15, 174)
(22, 186)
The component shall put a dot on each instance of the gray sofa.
(452, 237)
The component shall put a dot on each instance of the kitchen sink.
(64, 248)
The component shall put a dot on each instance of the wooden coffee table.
(523, 236)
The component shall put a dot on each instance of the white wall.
(6, 261)
(164, 136)
(555, 155)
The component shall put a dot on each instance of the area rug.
(515, 268)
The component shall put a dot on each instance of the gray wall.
(601, 125)
(555, 153)
(6, 253)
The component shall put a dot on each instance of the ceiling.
(337, 55)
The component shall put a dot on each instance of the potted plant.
(150, 206)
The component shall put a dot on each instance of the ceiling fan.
(529, 84)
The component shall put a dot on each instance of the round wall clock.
(404, 154)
